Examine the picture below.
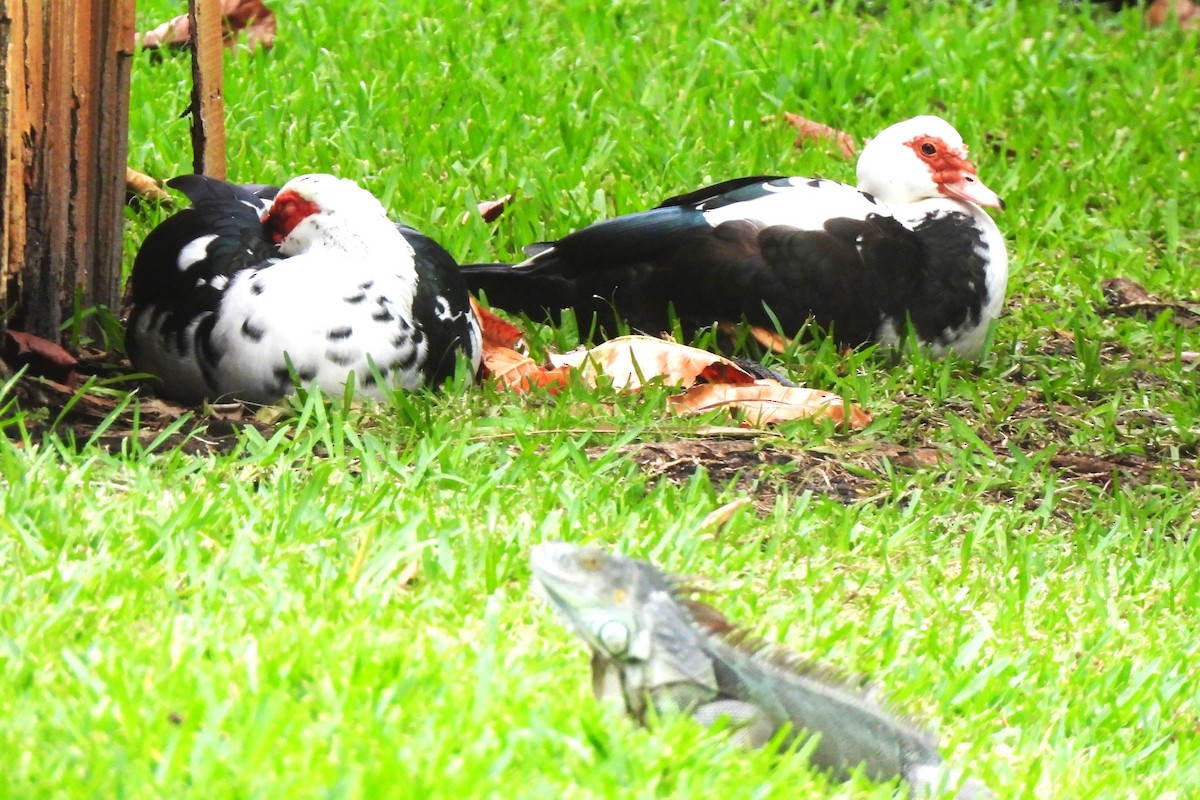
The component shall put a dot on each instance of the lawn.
(333, 602)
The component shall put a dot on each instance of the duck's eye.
(929, 149)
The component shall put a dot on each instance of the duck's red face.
(285, 214)
(953, 173)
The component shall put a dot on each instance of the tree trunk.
(64, 107)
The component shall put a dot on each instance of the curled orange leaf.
(520, 372)
(809, 131)
(497, 332)
(142, 185)
(630, 361)
(489, 210)
(768, 402)
(772, 340)
(504, 361)
(1159, 11)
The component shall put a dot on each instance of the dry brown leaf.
(520, 372)
(251, 17)
(490, 210)
(503, 361)
(1160, 11)
(42, 356)
(719, 516)
(819, 133)
(142, 185)
(172, 33)
(84, 400)
(768, 402)
(408, 574)
(497, 332)
(1129, 298)
(772, 340)
(631, 360)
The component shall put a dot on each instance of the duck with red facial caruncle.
(251, 289)
(911, 244)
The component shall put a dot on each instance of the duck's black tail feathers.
(539, 294)
(596, 270)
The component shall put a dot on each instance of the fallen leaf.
(140, 184)
(173, 33)
(631, 360)
(269, 415)
(496, 331)
(719, 516)
(1122, 291)
(818, 133)
(1160, 11)
(42, 356)
(1128, 298)
(490, 210)
(771, 340)
(768, 402)
(504, 356)
(251, 17)
(520, 372)
(408, 574)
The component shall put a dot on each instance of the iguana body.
(653, 646)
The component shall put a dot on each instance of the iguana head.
(603, 595)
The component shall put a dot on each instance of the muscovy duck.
(250, 286)
(910, 244)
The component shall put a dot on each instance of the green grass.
(339, 606)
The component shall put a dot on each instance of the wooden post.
(208, 99)
(64, 122)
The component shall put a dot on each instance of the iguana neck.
(679, 673)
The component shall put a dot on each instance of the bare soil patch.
(761, 471)
(103, 419)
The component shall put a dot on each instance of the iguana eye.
(614, 638)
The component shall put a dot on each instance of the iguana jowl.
(653, 645)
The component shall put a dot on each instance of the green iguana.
(653, 645)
